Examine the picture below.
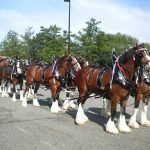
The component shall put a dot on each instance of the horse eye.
(141, 55)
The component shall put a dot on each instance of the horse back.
(49, 72)
(33, 73)
(86, 79)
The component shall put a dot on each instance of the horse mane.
(129, 53)
(62, 59)
(126, 55)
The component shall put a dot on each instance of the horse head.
(73, 63)
(138, 55)
(83, 62)
(142, 56)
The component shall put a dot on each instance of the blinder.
(139, 54)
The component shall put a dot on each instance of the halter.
(139, 60)
(57, 64)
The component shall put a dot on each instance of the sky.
(131, 17)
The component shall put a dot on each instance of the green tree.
(11, 45)
(27, 42)
(87, 40)
(47, 42)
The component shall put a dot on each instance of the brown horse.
(71, 87)
(9, 75)
(115, 83)
(53, 77)
(4, 62)
(141, 92)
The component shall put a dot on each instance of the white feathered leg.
(105, 111)
(35, 101)
(14, 97)
(111, 127)
(21, 95)
(24, 101)
(144, 120)
(133, 123)
(9, 88)
(4, 92)
(123, 127)
(1, 89)
(81, 118)
(66, 104)
(55, 107)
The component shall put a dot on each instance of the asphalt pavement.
(36, 128)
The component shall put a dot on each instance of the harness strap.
(88, 79)
(36, 70)
(99, 79)
(43, 73)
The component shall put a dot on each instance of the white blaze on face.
(18, 64)
(148, 59)
(18, 68)
(78, 67)
(87, 63)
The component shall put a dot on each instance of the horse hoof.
(111, 128)
(3, 95)
(65, 106)
(24, 104)
(133, 124)
(146, 123)
(6, 95)
(73, 106)
(80, 120)
(54, 111)
(124, 129)
(21, 99)
(36, 103)
(14, 99)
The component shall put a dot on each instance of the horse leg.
(24, 100)
(9, 87)
(110, 126)
(21, 90)
(55, 94)
(133, 123)
(105, 111)
(31, 91)
(14, 92)
(68, 103)
(81, 118)
(144, 120)
(122, 126)
(4, 92)
(67, 99)
(71, 102)
(35, 101)
(3, 89)
(1, 86)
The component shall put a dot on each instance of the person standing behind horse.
(16, 66)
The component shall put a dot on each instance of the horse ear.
(69, 58)
(136, 44)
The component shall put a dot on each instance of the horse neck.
(129, 68)
(62, 69)
(4, 63)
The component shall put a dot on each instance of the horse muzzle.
(147, 64)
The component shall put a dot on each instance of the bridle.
(138, 59)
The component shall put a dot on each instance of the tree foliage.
(91, 42)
